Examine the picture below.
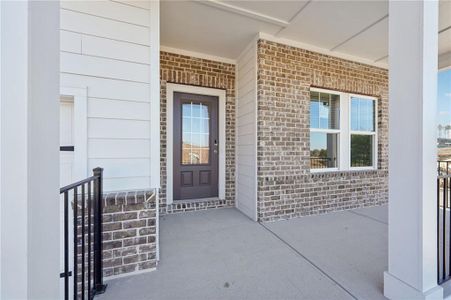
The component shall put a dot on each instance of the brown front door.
(195, 146)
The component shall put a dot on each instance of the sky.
(444, 97)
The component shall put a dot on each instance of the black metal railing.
(443, 228)
(86, 215)
(318, 162)
(443, 167)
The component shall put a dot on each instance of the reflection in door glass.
(195, 134)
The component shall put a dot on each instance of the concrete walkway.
(221, 254)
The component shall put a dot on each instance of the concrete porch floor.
(221, 254)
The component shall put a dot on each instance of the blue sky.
(444, 97)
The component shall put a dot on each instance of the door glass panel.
(195, 134)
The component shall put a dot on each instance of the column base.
(395, 289)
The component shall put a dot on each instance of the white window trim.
(375, 141)
(80, 98)
(221, 94)
(344, 133)
(154, 92)
(337, 131)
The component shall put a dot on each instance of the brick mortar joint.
(130, 198)
(331, 174)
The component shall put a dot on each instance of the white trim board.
(154, 92)
(246, 163)
(221, 94)
(80, 98)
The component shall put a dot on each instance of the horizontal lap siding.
(246, 130)
(105, 48)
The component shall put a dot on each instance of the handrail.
(87, 230)
(76, 184)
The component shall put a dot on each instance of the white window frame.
(334, 131)
(374, 133)
(344, 133)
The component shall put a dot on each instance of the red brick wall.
(129, 232)
(286, 188)
(181, 69)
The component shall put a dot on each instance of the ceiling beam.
(245, 12)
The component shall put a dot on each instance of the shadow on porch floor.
(221, 254)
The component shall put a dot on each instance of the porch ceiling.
(351, 29)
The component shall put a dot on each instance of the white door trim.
(221, 94)
(80, 98)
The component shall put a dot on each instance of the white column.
(412, 263)
(29, 150)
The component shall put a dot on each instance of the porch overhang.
(356, 31)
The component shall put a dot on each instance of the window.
(195, 131)
(325, 130)
(343, 133)
(362, 132)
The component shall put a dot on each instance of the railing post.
(99, 287)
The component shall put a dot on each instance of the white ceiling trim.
(251, 44)
(359, 33)
(245, 12)
(444, 29)
(294, 18)
(381, 58)
(313, 48)
(197, 55)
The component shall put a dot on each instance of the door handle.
(215, 151)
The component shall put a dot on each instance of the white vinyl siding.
(246, 132)
(105, 48)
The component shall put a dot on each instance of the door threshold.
(196, 200)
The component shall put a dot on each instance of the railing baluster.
(89, 241)
(99, 287)
(75, 244)
(438, 230)
(66, 245)
(448, 192)
(445, 186)
(83, 242)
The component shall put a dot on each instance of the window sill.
(325, 170)
(336, 172)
